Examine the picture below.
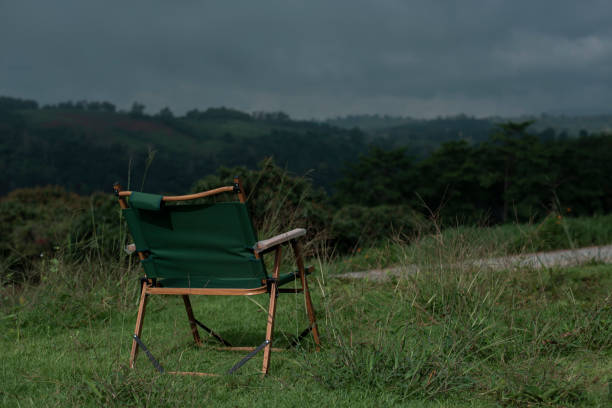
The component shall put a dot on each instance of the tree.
(448, 181)
(515, 162)
(165, 114)
(378, 177)
(8, 104)
(137, 110)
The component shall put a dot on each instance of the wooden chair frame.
(270, 287)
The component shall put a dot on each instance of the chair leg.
(311, 315)
(192, 323)
(270, 329)
(309, 307)
(139, 321)
(271, 313)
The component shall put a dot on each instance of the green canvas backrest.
(195, 245)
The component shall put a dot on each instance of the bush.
(38, 222)
(278, 201)
(559, 232)
(354, 225)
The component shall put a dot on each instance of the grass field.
(448, 336)
(478, 242)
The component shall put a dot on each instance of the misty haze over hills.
(568, 123)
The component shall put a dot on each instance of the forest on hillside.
(86, 146)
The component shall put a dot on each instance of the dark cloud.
(313, 58)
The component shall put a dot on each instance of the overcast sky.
(313, 58)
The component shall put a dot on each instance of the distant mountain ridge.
(86, 146)
(570, 124)
(86, 149)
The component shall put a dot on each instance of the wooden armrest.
(188, 196)
(279, 239)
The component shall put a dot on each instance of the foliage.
(84, 106)
(378, 177)
(222, 113)
(280, 201)
(8, 104)
(456, 168)
(87, 146)
(557, 231)
(44, 221)
(356, 225)
(514, 175)
(277, 200)
(40, 222)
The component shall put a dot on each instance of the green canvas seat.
(198, 246)
(206, 249)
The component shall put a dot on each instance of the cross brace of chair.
(232, 370)
(212, 333)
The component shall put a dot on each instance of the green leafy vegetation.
(36, 223)
(277, 200)
(87, 146)
(513, 176)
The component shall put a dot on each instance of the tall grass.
(448, 328)
(447, 332)
(462, 243)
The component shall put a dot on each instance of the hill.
(86, 148)
(422, 136)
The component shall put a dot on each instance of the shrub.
(558, 232)
(37, 222)
(277, 200)
(358, 225)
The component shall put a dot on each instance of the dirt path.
(564, 257)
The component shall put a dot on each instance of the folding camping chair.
(208, 249)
